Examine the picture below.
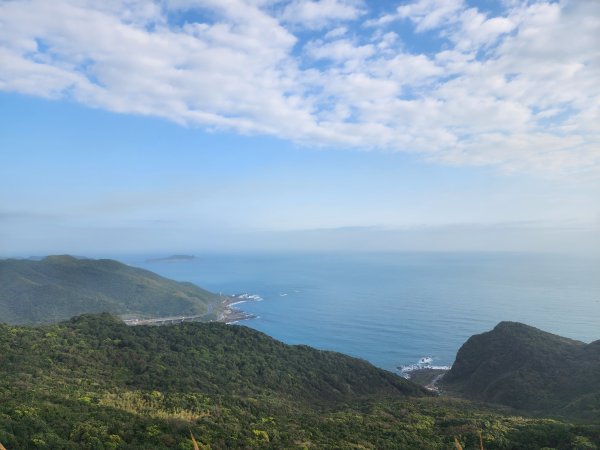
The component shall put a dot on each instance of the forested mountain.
(529, 369)
(60, 287)
(94, 383)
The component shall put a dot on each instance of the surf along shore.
(225, 312)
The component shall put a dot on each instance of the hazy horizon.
(330, 125)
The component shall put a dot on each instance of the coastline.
(427, 377)
(225, 312)
(230, 314)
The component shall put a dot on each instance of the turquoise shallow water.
(392, 309)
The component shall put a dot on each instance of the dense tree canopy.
(95, 383)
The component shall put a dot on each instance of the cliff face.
(526, 368)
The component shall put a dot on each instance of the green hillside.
(95, 383)
(528, 369)
(60, 287)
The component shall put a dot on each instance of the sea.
(393, 309)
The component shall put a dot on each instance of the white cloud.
(466, 27)
(339, 50)
(336, 33)
(429, 14)
(476, 30)
(318, 14)
(518, 90)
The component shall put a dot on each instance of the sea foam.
(425, 362)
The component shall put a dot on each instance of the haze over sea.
(394, 308)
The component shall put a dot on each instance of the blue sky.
(197, 125)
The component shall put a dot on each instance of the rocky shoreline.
(424, 373)
(427, 377)
(226, 312)
(230, 314)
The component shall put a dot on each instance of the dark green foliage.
(529, 369)
(94, 383)
(59, 287)
(213, 358)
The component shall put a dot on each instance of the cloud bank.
(516, 89)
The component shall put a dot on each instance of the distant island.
(172, 258)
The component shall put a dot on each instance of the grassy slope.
(59, 287)
(94, 383)
(529, 369)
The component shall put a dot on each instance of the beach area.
(233, 315)
(230, 314)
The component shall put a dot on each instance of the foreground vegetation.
(60, 287)
(94, 383)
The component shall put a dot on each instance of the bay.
(394, 308)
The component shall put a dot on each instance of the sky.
(132, 126)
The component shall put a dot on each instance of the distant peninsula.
(59, 287)
(172, 258)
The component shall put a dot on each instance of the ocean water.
(394, 308)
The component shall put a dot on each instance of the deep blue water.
(392, 309)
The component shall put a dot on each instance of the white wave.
(423, 363)
(237, 303)
(246, 297)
